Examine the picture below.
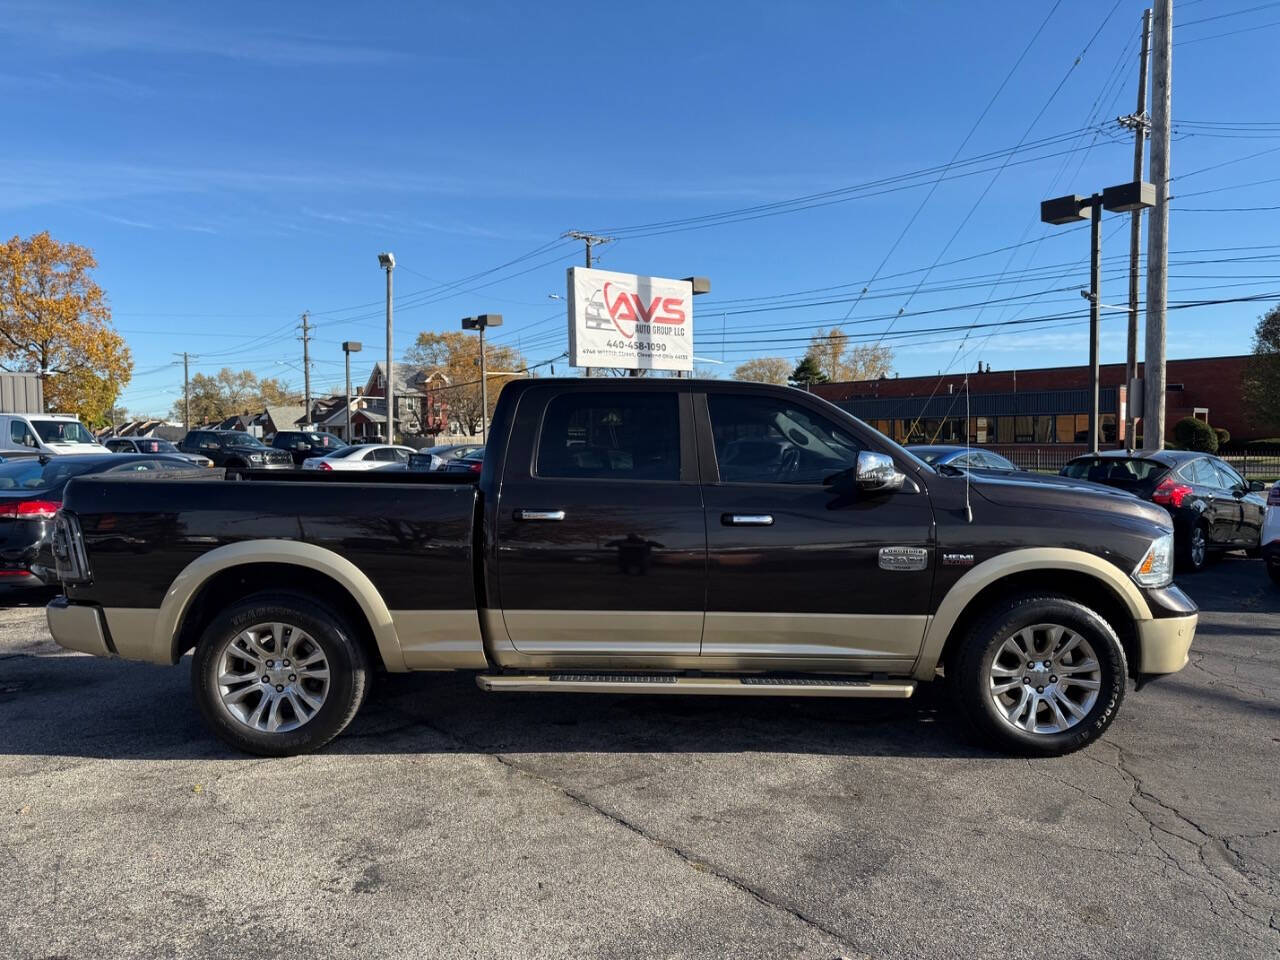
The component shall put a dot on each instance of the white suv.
(1271, 534)
(44, 434)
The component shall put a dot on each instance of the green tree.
(807, 371)
(1261, 386)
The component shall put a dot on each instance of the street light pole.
(481, 323)
(1124, 198)
(1095, 308)
(388, 263)
(348, 348)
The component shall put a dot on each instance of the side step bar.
(751, 686)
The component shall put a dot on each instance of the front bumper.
(78, 627)
(1163, 643)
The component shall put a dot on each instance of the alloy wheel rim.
(272, 677)
(1197, 546)
(1044, 679)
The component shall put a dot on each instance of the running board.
(752, 686)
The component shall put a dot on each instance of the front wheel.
(1043, 674)
(278, 674)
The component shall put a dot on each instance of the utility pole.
(1139, 121)
(590, 240)
(186, 389)
(306, 363)
(1158, 227)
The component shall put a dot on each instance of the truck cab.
(44, 435)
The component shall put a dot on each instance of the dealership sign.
(629, 321)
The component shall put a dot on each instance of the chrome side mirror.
(876, 473)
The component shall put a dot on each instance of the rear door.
(795, 570)
(601, 549)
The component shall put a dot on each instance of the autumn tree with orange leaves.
(54, 318)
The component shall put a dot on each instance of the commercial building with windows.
(1048, 406)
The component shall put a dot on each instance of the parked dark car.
(305, 444)
(237, 452)
(153, 445)
(442, 455)
(1213, 507)
(634, 535)
(975, 458)
(472, 463)
(31, 494)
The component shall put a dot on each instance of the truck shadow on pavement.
(75, 706)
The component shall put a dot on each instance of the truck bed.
(413, 539)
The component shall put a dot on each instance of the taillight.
(31, 510)
(1171, 492)
(1273, 498)
(326, 466)
(476, 467)
(69, 557)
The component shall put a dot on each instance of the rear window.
(1117, 470)
(34, 475)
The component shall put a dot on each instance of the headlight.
(256, 458)
(1155, 569)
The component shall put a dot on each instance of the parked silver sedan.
(362, 456)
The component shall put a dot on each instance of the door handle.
(539, 514)
(747, 519)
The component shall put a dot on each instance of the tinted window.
(136, 466)
(1113, 469)
(383, 455)
(770, 440)
(1201, 472)
(996, 462)
(34, 475)
(1230, 479)
(116, 446)
(613, 436)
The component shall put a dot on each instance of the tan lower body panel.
(133, 633)
(716, 686)
(605, 632)
(1165, 643)
(440, 639)
(79, 628)
(836, 636)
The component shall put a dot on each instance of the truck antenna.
(968, 507)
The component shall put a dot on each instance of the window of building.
(611, 436)
(1005, 429)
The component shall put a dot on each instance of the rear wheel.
(278, 674)
(1043, 674)
(1193, 549)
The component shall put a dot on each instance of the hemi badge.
(957, 559)
(903, 558)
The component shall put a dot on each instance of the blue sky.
(233, 164)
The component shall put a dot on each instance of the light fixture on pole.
(482, 323)
(1124, 198)
(388, 263)
(348, 348)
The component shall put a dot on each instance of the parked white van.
(44, 434)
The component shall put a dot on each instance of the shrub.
(1193, 434)
(1223, 435)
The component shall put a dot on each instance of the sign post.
(629, 322)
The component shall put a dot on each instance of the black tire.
(348, 681)
(1191, 560)
(969, 678)
(235, 471)
(1253, 553)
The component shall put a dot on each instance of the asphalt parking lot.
(452, 823)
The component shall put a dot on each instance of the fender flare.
(196, 574)
(1038, 559)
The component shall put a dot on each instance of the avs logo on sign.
(629, 321)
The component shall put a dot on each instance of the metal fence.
(1256, 464)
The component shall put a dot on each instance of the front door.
(600, 537)
(797, 571)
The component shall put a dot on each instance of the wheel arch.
(220, 575)
(1081, 576)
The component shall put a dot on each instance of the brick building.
(1044, 406)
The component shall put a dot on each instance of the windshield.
(148, 445)
(34, 475)
(62, 431)
(238, 439)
